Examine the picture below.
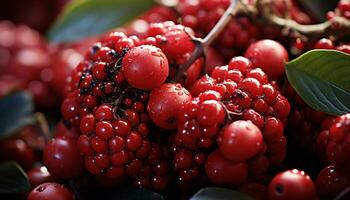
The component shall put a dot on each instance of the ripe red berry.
(225, 172)
(38, 175)
(17, 149)
(331, 181)
(164, 103)
(324, 43)
(277, 55)
(335, 142)
(52, 191)
(145, 67)
(292, 184)
(240, 141)
(62, 158)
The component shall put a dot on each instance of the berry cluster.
(231, 93)
(108, 98)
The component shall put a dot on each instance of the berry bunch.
(231, 93)
(108, 98)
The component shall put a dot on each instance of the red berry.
(16, 149)
(277, 55)
(225, 172)
(240, 141)
(38, 175)
(104, 130)
(62, 158)
(164, 103)
(52, 191)
(292, 184)
(145, 67)
(331, 181)
(324, 43)
(210, 113)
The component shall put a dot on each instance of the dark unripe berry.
(268, 55)
(164, 104)
(225, 172)
(50, 191)
(62, 158)
(292, 185)
(145, 67)
(240, 141)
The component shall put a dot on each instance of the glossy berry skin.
(225, 172)
(62, 131)
(145, 67)
(277, 55)
(334, 142)
(324, 43)
(38, 175)
(164, 104)
(50, 191)
(331, 181)
(62, 158)
(240, 141)
(17, 149)
(292, 185)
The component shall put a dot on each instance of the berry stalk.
(202, 44)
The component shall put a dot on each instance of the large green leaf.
(214, 193)
(321, 78)
(83, 18)
(16, 111)
(12, 179)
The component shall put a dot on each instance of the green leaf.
(16, 112)
(319, 8)
(214, 193)
(321, 78)
(13, 179)
(83, 18)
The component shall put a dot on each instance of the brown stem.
(119, 100)
(43, 125)
(202, 44)
(263, 14)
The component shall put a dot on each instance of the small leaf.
(13, 179)
(321, 78)
(214, 193)
(83, 18)
(130, 193)
(319, 8)
(16, 112)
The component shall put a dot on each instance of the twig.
(43, 125)
(202, 44)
